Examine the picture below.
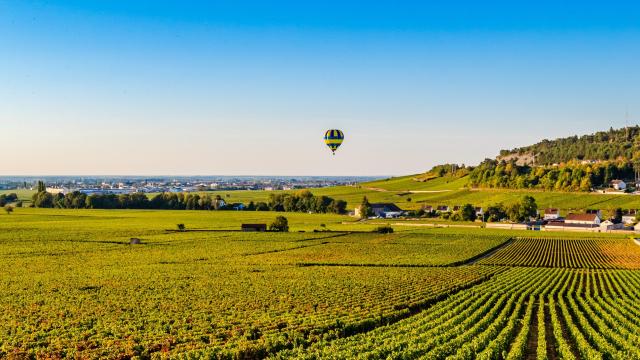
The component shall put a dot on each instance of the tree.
(495, 213)
(365, 208)
(8, 209)
(468, 213)
(280, 224)
(181, 227)
(528, 207)
(42, 199)
(617, 216)
(41, 186)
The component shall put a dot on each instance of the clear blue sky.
(239, 87)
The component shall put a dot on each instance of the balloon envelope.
(333, 138)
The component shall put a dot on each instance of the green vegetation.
(75, 286)
(604, 145)
(596, 308)
(572, 176)
(280, 224)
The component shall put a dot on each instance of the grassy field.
(74, 287)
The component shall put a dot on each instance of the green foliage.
(468, 213)
(385, 229)
(8, 198)
(180, 227)
(604, 145)
(365, 208)
(8, 209)
(280, 224)
(571, 176)
(305, 201)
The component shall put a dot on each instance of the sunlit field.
(76, 287)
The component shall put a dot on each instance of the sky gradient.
(248, 88)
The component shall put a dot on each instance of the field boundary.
(486, 254)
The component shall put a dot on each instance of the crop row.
(564, 253)
(493, 320)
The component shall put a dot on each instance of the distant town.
(92, 185)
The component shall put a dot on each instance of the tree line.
(303, 201)
(571, 176)
(614, 144)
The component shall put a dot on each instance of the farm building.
(618, 184)
(583, 219)
(254, 227)
(427, 208)
(629, 216)
(551, 214)
(609, 225)
(479, 212)
(384, 210)
(443, 208)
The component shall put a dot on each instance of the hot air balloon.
(333, 138)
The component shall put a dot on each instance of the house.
(551, 214)
(559, 225)
(457, 208)
(442, 208)
(618, 184)
(383, 210)
(629, 216)
(386, 210)
(479, 212)
(609, 225)
(427, 208)
(253, 227)
(582, 219)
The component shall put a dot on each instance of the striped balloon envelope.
(333, 138)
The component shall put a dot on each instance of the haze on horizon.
(240, 88)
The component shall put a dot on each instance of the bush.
(280, 224)
(384, 229)
(181, 227)
(8, 209)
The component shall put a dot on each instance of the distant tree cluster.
(8, 199)
(619, 144)
(305, 201)
(571, 176)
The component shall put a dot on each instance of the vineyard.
(544, 313)
(74, 287)
(565, 253)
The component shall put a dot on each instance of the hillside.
(618, 144)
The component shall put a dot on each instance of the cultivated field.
(74, 287)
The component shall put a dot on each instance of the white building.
(551, 214)
(583, 219)
(629, 216)
(618, 184)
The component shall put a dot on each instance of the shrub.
(386, 229)
(181, 227)
(280, 224)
